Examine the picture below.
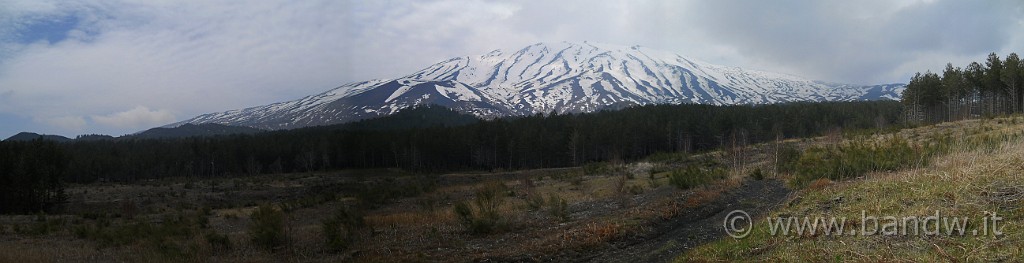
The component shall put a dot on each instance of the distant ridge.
(28, 136)
(183, 131)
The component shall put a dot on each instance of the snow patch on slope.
(550, 77)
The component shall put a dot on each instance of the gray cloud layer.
(130, 65)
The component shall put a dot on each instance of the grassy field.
(972, 171)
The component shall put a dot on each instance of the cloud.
(138, 117)
(861, 41)
(95, 57)
(73, 123)
(189, 57)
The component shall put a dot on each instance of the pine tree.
(1013, 79)
(912, 99)
(974, 78)
(933, 97)
(993, 83)
(956, 91)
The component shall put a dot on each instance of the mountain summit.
(549, 77)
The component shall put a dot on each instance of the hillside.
(974, 175)
(191, 130)
(419, 117)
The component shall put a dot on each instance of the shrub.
(757, 174)
(576, 179)
(267, 228)
(342, 229)
(694, 176)
(854, 159)
(819, 184)
(788, 156)
(636, 189)
(534, 201)
(620, 184)
(652, 180)
(464, 213)
(428, 203)
(379, 193)
(486, 217)
(662, 157)
(559, 207)
(169, 237)
(218, 241)
(335, 234)
(595, 168)
(489, 198)
(45, 226)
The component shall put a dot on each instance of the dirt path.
(695, 227)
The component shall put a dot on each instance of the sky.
(72, 67)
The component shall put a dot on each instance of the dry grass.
(710, 192)
(819, 184)
(600, 212)
(594, 234)
(972, 181)
(412, 218)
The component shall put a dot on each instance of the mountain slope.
(549, 77)
(410, 118)
(192, 130)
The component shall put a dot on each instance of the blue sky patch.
(52, 29)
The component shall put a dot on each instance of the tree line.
(993, 88)
(538, 141)
(31, 176)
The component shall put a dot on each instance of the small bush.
(787, 158)
(169, 237)
(693, 176)
(218, 241)
(559, 208)
(652, 180)
(662, 157)
(267, 228)
(620, 184)
(45, 226)
(576, 180)
(464, 213)
(486, 217)
(757, 174)
(819, 184)
(534, 201)
(595, 168)
(428, 203)
(342, 229)
(636, 189)
(377, 194)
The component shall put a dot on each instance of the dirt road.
(696, 226)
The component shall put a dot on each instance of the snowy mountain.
(549, 77)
